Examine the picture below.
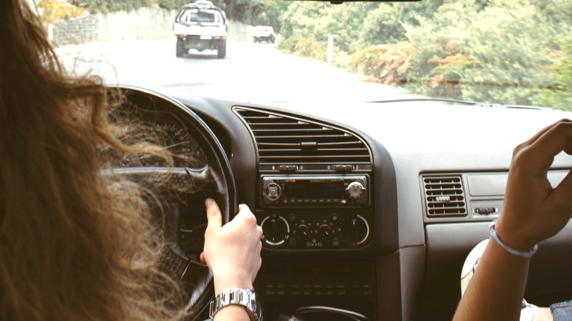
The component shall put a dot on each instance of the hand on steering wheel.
(232, 251)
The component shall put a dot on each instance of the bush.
(559, 93)
(491, 51)
(386, 63)
(306, 47)
(53, 10)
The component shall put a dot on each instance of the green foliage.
(171, 4)
(254, 12)
(105, 6)
(484, 50)
(384, 63)
(53, 10)
(559, 94)
(305, 19)
(306, 47)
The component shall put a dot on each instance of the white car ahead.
(201, 26)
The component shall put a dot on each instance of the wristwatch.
(242, 297)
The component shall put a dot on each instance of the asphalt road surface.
(251, 72)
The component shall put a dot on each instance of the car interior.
(368, 210)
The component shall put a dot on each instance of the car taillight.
(179, 36)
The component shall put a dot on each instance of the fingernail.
(209, 202)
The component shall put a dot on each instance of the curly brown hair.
(73, 245)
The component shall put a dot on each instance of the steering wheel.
(215, 180)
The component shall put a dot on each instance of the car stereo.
(311, 191)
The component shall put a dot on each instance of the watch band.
(242, 297)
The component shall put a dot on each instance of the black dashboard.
(373, 207)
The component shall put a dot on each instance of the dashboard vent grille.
(287, 143)
(444, 196)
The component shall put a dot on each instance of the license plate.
(206, 37)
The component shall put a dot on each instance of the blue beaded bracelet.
(507, 248)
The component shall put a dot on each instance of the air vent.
(445, 196)
(290, 144)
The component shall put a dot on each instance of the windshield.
(501, 51)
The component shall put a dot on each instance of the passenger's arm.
(232, 253)
(532, 211)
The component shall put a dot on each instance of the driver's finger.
(213, 213)
(550, 144)
(202, 257)
(244, 209)
(536, 136)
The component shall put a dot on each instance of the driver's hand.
(533, 211)
(232, 251)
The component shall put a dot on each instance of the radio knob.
(302, 230)
(273, 191)
(325, 230)
(275, 229)
(355, 190)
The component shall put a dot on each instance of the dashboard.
(373, 207)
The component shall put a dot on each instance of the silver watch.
(242, 297)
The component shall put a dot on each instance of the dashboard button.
(335, 241)
(342, 292)
(270, 285)
(307, 286)
(356, 285)
(280, 292)
(295, 292)
(317, 286)
(280, 285)
(329, 286)
(318, 292)
(270, 292)
(307, 292)
(356, 292)
(367, 292)
(340, 286)
(367, 285)
(295, 285)
(330, 292)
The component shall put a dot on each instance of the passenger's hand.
(533, 211)
(232, 251)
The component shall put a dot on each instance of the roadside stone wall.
(144, 23)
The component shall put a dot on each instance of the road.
(251, 72)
